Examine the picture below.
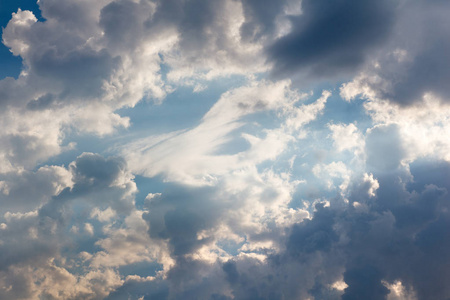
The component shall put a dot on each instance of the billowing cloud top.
(225, 149)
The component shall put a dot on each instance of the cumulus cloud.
(36, 243)
(255, 189)
(354, 246)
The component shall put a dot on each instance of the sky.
(225, 149)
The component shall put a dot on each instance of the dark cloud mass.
(415, 61)
(372, 245)
(428, 69)
(331, 37)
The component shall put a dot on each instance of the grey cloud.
(123, 23)
(320, 292)
(426, 69)
(26, 149)
(260, 17)
(427, 172)
(430, 274)
(282, 276)
(58, 56)
(332, 37)
(364, 283)
(81, 73)
(133, 289)
(193, 18)
(26, 191)
(197, 22)
(384, 148)
(386, 242)
(180, 214)
(313, 235)
(429, 73)
(43, 102)
(92, 169)
(100, 182)
(402, 234)
(78, 16)
(415, 61)
(207, 38)
(94, 178)
(193, 279)
(11, 92)
(19, 248)
(188, 279)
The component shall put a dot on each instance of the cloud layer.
(236, 149)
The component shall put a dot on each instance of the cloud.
(357, 245)
(190, 156)
(384, 148)
(346, 137)
(414, 64)
(271, 193)
(260, 20)
(419, 127)
(26, 191)
(332, 37)
(37, 244)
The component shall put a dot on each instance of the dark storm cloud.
(331, 37)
